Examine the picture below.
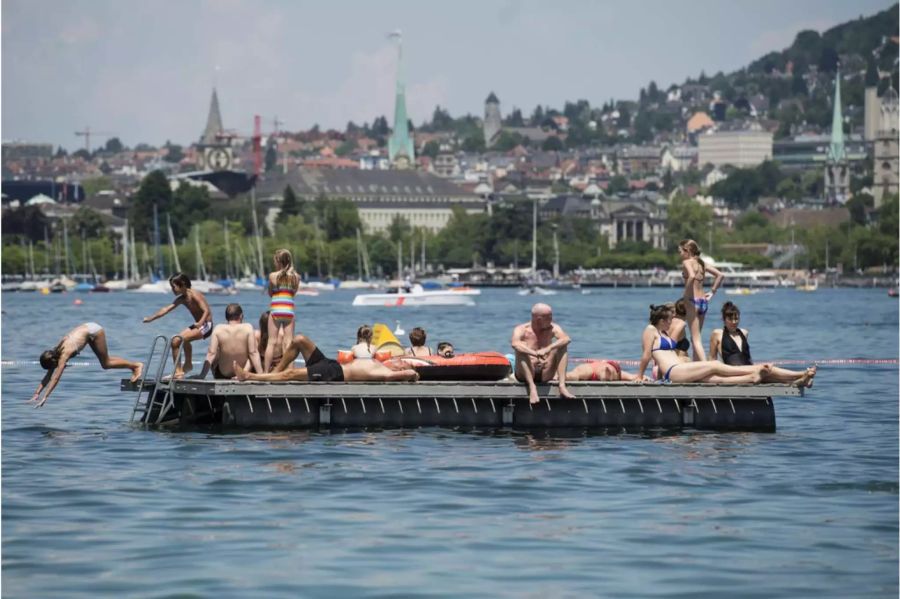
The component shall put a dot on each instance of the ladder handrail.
(156, 339)
(169, 398)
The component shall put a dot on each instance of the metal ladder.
(145, 405)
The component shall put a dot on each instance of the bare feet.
(239, 372)
(807, 379)
(564, 392)
(137, 372)
(533, 397)
(178, 374)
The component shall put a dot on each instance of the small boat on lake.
(414, 295)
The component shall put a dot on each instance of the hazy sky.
(144, 70)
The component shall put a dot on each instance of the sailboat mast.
(66, 244)
(534, 240)
(359, 270)
(172, 243)
(422, 264)
(399, 259)
(156, 241)
(227, 250)
(125, 263)
(259, 254)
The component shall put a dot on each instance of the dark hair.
(50, 358)
(681, 307)
(233, 312)
(180, 279)
(729, 308)
(660, 312)
(364, 333)
(444, 345)
(417, 336)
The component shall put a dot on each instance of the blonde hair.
(286, 275)
(693, 248)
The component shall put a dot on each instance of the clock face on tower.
(218, 159)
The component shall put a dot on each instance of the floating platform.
(504, 404)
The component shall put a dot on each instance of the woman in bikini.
(658, 346)
(732, 342)
(283, 285)
(54, 360)
(697, 301)
(600, 370)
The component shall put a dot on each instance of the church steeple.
(213, 122)
(836, 151)
(401, 151)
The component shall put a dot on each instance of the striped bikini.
(282, 306)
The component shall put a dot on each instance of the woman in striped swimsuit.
(283, 284)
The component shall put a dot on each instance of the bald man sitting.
(232, 342)
(541, 348)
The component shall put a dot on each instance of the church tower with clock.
(214, 148)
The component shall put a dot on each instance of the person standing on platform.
(694, 270)
(283, 285)
(202, 328)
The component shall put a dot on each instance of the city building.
(214, 149)
(886, 174)
(422, 198)
(492, 121)
(741, 148)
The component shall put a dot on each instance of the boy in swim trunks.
(54, 360)
(202, 328)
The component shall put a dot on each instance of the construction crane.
(86, 134)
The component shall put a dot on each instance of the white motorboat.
(536, 290)
(414, 295)
(319, 285)
(161, 286)
(357, 284)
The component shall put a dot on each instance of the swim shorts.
(320, 368)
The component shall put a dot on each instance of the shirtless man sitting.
(320, 368)
(54, 360)
(197, 305)
(231, 342)
(541, 348)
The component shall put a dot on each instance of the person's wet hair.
(49, 359)
(364, 333)
(445, 346)
(659, 312)
(417, 336)
(233, 312)
(180, 279)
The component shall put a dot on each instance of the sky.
(144, 70)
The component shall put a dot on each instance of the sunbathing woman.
(659, 347)
(600, 370)
(732, 343)
(697, 301)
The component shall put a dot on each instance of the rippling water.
(92, 506)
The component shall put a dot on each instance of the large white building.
(421, 198)
(742, 149)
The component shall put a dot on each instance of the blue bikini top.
(665, 343)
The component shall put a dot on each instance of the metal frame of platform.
(466, 404)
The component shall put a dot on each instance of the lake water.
(92, 506)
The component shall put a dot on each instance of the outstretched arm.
(165, 310)
(54, 380)
(212, 355)
(41, 385)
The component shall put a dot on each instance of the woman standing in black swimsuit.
(732, 343)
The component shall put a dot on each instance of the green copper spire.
(400, 145)
(836, 151)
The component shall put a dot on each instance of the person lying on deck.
(54, 360)
(660, 347)
(231, 342)
(320, 368)
(541, 347)
(735, 348)
(600, 370)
